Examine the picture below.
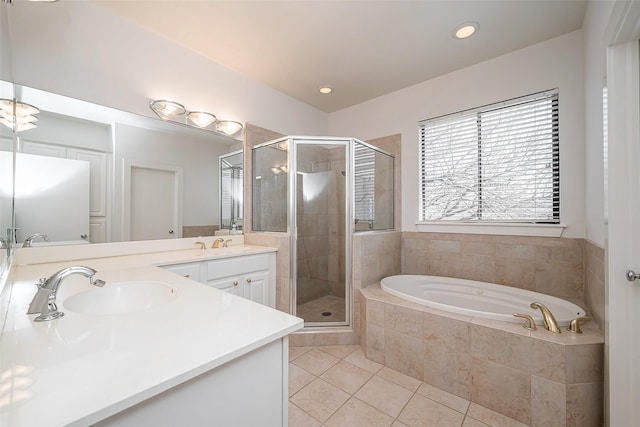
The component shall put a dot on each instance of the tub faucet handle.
(574, 325)
(528, 321)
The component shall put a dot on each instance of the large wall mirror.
(91, 174)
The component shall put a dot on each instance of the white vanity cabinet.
(249, 276)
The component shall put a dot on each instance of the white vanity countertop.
(79, 369)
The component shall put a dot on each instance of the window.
(364, 183)
(498, 163)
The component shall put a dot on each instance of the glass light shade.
(19, 126)
(228, 127)
(167, 109)
(201, 119)
(6, 105)
(23, 109)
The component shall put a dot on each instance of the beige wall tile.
(585, 363)
(404, 353)
(502, 389)
(447, 354)
(517, 251)
(548, 360)
(585, 405)
(548, 403)
(375, 343)
(520, 273)
(501, 347)
(404, 320)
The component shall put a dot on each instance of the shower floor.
(312, 311)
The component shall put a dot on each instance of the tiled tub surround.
(535, 377)
(552, 266)
(594, 281)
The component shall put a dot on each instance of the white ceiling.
(362, 49)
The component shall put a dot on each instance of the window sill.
(504, 229)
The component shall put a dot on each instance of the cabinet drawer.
(236, 266)
(191, 271)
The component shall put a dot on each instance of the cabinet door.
(190, 271)
(256, 287)
(233, 285)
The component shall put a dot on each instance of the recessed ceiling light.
(465, 30)
(325, 90)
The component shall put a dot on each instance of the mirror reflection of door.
(154, 205)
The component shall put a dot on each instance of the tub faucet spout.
(550, 323)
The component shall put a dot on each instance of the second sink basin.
(121, 298)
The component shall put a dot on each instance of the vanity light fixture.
(228, 127)
(174, 111)
(201, 119)
(17, 116)
(466, 30)
(167, 109)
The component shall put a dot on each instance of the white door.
(623, 245)
(153, 204)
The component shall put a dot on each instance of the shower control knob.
(632, 275)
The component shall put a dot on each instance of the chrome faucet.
(44, 301)
(550, 323)
(28, 240)
(216, 243)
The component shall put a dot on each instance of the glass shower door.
(321, 211)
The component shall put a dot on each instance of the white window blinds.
(364, 183)
(498, 163)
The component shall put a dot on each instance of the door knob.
(632, 275)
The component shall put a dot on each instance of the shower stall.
(320, 191)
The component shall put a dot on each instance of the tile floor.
(337, 386)
(312, 311)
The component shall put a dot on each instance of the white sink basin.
(121, 298)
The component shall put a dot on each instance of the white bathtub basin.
(121, 298)
(478, 299)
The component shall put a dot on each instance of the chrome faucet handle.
(528, 321)
(226, 243)
(202, 245)
(574, 325)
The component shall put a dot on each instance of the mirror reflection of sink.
(121, 298)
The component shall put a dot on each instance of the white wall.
(595, 63)
(77, 49)
(554, 63)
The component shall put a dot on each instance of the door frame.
(128, 165)
(622, 346)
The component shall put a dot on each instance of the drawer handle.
(235, 283)
(249, 280)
